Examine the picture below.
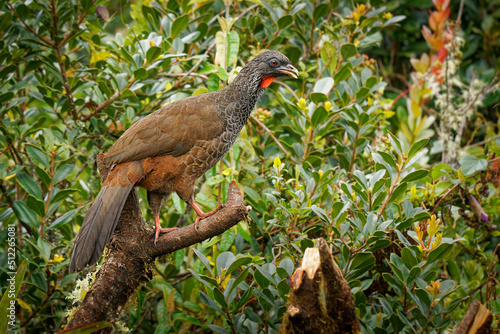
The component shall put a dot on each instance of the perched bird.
(170, 149)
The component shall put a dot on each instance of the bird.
(168, 150)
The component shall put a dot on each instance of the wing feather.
(171, 130)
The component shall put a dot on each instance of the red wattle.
(266, 81)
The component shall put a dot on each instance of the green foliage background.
(317, 159)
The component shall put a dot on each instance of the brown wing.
(173, 129)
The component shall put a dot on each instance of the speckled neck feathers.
(236, 101)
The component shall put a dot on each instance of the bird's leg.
(159, 229)
(202, 215)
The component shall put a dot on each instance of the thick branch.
(131, 254)
(321, 300)
(478, 319)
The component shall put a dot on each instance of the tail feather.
(98, 226)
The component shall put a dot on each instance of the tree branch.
(130, 259)
(262, 125)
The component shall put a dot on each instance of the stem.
(51, 186)
(391, 189)
(46, 41)
(273, 137)
(353, 156)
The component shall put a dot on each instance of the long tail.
(98, 225)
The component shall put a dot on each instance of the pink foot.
(159, 229)
(202, 215)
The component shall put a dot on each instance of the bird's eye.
(273, 62)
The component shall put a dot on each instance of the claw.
(159, 229)
(202, 215)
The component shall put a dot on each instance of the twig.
(273, 137)
(443, 197)
(391, 189)
(246, 11)
(183, 75)
(288, 88)
(29, 28)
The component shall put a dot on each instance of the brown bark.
(131, 254)
(477, 320)
(321, 300)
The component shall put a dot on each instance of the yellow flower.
(387, 16)
(99, 56)
(301, 103)
(359, 11)
(420, 233)
(328, 105)
(277, 162)
(58, 258)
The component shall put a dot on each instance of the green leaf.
(399, 191)
(416, 175)
(23, 11)
(224, 260)
(394, 20)
(179, 25)
(37, 205)
(388, 158)
(239, 262)
(62, 172)
(415, 148)
(204, 260)
(413, 273)
(396, 144)
(25, 214)
(62, 195)
(319, 116)
(344, 73)
(318, 97)
(227, 240)
(179, 205)
(440, 253)
(29, 185)
(233, 46)
(439, 170)
(213, 82)
(205, 299)
(471, 165)
(241, 277)
(324, 86)
(217, 329)
(348, 50)
(219, 297)
(263, 278)
(179, 258)
(6, 96)
(44, 248)
(152, 54)
(127, 56)
(140, 73)
(13, 284)
(362, 93)
(285, 21)
(251, 315)
(38, 155)
(361, 263)
(87, 329)
(68, 216)
(408, 259)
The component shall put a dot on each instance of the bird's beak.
(289, 70)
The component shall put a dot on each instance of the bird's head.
(266, 67)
